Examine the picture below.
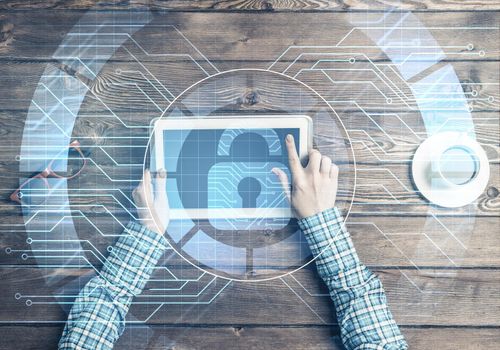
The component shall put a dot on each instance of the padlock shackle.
(269, 135)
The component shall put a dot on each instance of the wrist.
(333, 210)
(306, 206)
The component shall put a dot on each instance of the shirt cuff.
(330, 242)
(131, 261)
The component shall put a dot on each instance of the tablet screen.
(205, 166)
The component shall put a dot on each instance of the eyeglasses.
(34, 191)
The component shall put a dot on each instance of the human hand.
(150, 198)
(314, 188)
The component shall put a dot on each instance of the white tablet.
(220, 167)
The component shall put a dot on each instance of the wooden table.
(444, 295)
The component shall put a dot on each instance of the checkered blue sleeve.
(97, 317)
(360, 302)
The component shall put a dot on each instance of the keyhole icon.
(249, 189)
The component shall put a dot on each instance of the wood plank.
(237, 337)
(388, 242)
(385, 135)
(247, 36)
(299, 338)
(379, 191)
(335, 82)
(451, 297)
(126, 87)
(255, 5)
(376, 138)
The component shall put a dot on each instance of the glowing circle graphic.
(299, 80)
(256, 249)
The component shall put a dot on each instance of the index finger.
(293, 156)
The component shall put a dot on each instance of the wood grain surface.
(244, 337)
(443, 289)
(255, 5)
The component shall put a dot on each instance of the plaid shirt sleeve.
(362, 312)
(97, 317)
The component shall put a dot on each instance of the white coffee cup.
(454, 166)
(450, 169)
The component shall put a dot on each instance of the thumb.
(285, 183)
(161, 208)
(159, 184)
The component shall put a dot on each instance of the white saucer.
(447, 194)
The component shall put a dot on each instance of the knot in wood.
(251, 98)
(6, 32)
(492, 192)
(266, 5)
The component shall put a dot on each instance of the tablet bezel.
(301, 122)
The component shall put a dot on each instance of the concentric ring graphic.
(423, 86)
(284, 247)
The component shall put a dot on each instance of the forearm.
(362, 312)
(97, 317)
